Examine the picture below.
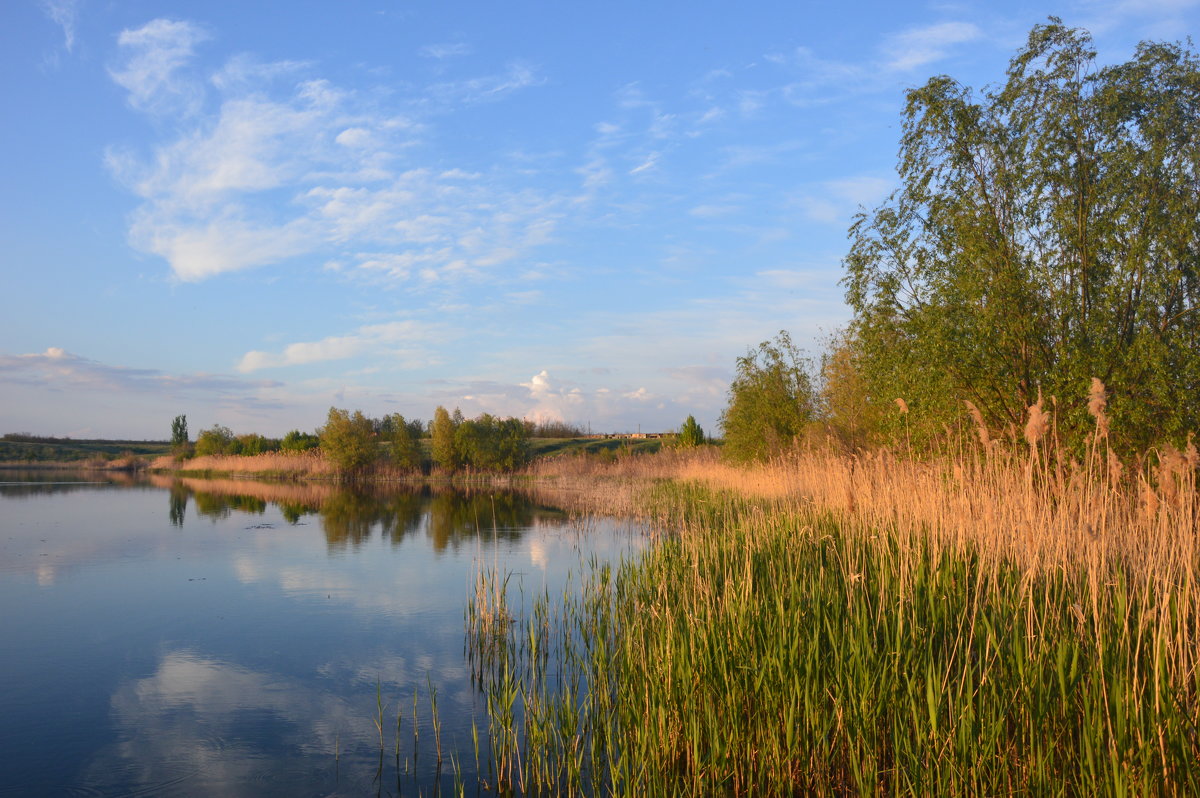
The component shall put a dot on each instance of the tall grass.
(1003, 619)
(301, 464)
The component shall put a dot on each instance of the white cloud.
(489, 87)
(862, 190)
(650, 162)
(440, 51)
(919, 46)
(290, 166)
(837, 200)
(396, 338)
(155, 54)
(65, 14)
(59, 369)
(224, 244)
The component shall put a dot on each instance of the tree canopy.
(1044, 233)
(348, 440)
(771, 400)
(179, 432)
(690, 434)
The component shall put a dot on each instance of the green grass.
(765, 651)
(27, 449)
(559, 447)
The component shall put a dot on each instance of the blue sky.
(249, 212)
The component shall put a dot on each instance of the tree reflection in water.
(351, 515)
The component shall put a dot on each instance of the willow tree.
(1044, 233)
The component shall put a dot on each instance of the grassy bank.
(989, 622)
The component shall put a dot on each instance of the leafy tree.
(297, 441)
(402, 446)
(492, 444)
(690, 434)
(442, 439)
(348, 440)
(851, 416)
(214, 441)
(771, 400)
(1044, 233)
(252, 443)
(179, 432)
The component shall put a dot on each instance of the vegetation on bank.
(994, 620)
(1043, 235)
(23, 448)
(938, 569)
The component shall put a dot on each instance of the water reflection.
(25, 483)
(352, 515)
(234, 644)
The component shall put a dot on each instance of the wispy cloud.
(449, 50)
(59, 369)
(1154, 18)
(397, 340)
(291, 165)
(65, 14)
(489, 87)
(154, 56)
(835, 201)
(917, 47)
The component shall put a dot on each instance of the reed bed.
(301, 464)
(1002, 619)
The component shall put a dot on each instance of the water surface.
(222, 637)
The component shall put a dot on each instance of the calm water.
(209, 637)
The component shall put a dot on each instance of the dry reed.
(999, 619)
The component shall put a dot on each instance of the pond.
(227, 637)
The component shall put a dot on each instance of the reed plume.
(1097, 405)
(1038, 423)
(985, 437)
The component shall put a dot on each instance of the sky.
(249, 213)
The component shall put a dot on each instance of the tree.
(850, 415)
(402, 446)
(1044, 234)
(442, 441)
(690, 434)
(179, 432)
(492, 444)
(770, 400)
(296, 441)
(348, 440)
(214, 441)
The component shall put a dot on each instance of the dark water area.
(226, 637)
